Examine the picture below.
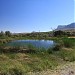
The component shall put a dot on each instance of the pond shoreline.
(38, 61)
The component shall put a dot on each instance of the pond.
(35, 43)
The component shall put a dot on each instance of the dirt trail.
(68, 69)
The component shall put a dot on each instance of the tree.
(7, 33)
(59, 33)
(1, 33)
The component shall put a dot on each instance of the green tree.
(59, 33)
(7, 33)
(1, 33)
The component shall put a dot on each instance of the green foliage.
(2, 34)
(15, 71)
(21, 60)
(29, 48)
(57, 47)
(69, 42)
(24, 63)
(67, 55)
(50, 50)
(7, 33)
(59, 33)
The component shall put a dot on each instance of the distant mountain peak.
(66, 27)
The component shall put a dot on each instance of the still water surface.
(36, 43)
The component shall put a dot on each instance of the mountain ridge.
(66, 27)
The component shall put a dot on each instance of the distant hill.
(69, 27)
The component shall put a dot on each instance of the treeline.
(6, 33)
(33, 35)
(36, 35)
(63, 33)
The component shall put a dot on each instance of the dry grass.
(67, 69)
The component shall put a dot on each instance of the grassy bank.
(21, 63)
(15, 62)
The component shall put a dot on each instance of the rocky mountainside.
(66, 27)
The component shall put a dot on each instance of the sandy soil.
(72, 37)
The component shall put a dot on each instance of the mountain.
(66, 27)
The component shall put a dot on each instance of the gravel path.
(68, 69)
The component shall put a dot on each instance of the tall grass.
(17, 61)
(69, 42)
(23, 63)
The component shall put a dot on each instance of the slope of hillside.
(66, 27)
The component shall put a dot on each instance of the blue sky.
(35, 15)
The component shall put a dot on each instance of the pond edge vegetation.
(21, 60)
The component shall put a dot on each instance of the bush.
(57, 47)
(50, 51)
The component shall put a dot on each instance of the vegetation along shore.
(29, 60)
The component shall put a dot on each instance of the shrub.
(50, 50)
(57, 47)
